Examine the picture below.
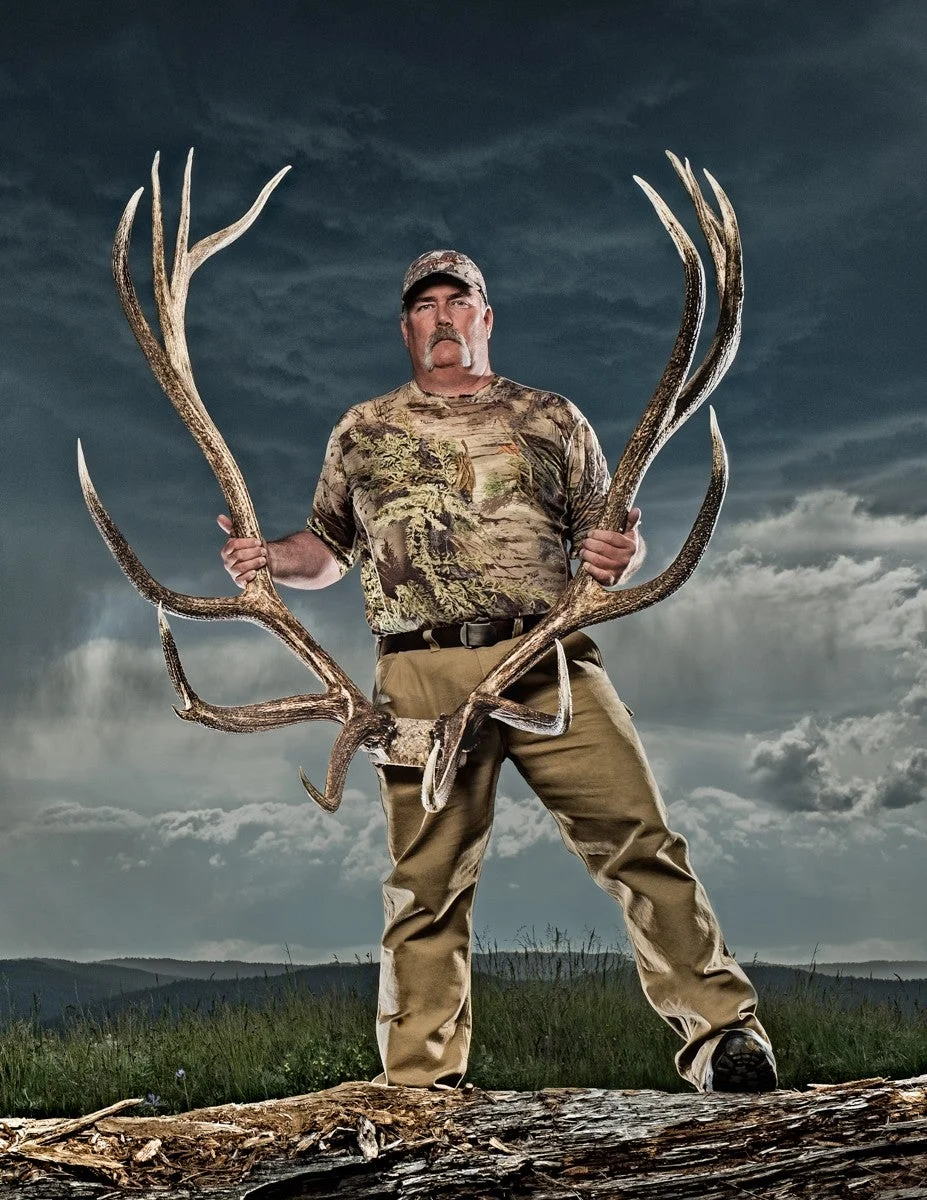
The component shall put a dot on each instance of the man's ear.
(404, 330)
(488, 318)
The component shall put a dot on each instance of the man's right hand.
(242, 557)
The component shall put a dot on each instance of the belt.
(483, 632)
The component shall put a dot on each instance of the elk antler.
(259, 602)
(677, 396)
(439, 747)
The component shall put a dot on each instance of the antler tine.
(709, 223)
(634, 599)
(208, 246)
(670, 407)
(171, 364)
(180, 275)
(655, 425)
(259, 601)
(196, 607)
(162, 291)
(349, 740)
(239, 718)
(723, 238)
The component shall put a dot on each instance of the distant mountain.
(53, 985)
(260, 991)
(60, 990)
(178, 968)
(843, 991)
(877, 968)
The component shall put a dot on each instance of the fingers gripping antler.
(678, 394)
(259, 601)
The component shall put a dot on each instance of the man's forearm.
(302, 560)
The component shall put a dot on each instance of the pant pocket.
(590, 652)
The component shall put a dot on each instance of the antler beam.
(678, 394)
(259, 602)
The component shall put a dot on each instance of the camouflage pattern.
(444, 262)
(459, 507)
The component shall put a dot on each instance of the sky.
(781, 694)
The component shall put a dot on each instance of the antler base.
(409, 747)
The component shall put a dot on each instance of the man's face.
(446, 324)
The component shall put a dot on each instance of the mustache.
(446, 334)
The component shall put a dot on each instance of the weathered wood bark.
(867, 1139)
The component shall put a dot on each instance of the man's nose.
(443, 316)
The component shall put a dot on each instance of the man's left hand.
(611, 557)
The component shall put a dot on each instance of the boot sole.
(743, 1068)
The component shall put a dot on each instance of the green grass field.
(533, 1029)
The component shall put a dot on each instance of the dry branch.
(867, 1139)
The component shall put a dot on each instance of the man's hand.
(242, 557)
(611, 557)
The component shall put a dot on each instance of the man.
(459, 492)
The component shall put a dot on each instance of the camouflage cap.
(444, 262)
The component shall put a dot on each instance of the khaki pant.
(596, 782)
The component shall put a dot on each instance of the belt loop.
(517, 626)
(429, 637)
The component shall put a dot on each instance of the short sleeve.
(332, 516)
(587, 481)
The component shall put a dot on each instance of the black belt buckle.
(478, 633)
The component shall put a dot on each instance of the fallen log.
(867, 1138)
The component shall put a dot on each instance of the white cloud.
(830, 522)
(269, 829)
(278, 829)
(518, 825)
(779, 622)
(249, 950)
(366, 857)
(789, 874)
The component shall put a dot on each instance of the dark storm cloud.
(572, 246)
(916, 700)
(905, 784)
(794, 772)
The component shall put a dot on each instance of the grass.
(227, 1053)
(581, 1022)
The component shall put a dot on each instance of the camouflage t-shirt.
(459, 507)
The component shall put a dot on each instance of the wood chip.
(148, 1151)
(502, 1147)
(259, 1139)
(367, 1139)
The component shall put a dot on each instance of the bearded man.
(464, 496)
